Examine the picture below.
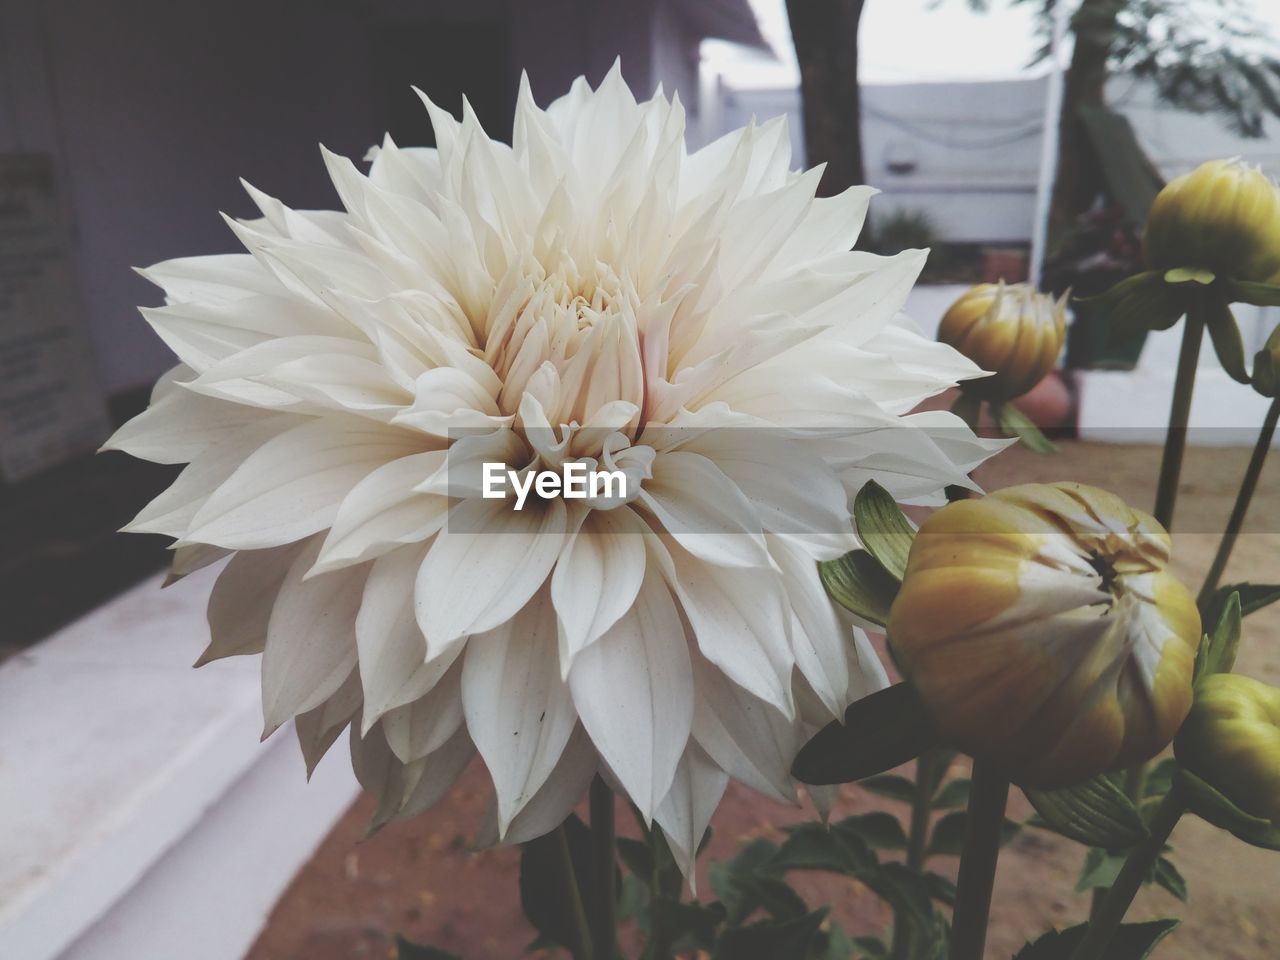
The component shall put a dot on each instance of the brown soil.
(421, 878)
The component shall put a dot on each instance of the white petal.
(704, 511)
(422, 726)
(750, 740)
(435, 774)
(320, 728)
(311, 639)
(242, 598)
(553, 803)
(391, 646)
(383, 511)
(597, 578)
(685, 812)
(634, 692)
(518, 711)
(816, 637)
(291, 486)
(484, 566)
(742, 620)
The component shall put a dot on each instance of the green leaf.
(772, 939)
(860, 584)
(1096, 813)
(837, 946)
(698, 922)
(1166, 875)
(879, 732)
(1259, 294)
(1217, 653)
(883, 528)
(541, 882)
(1253, 597)
(813, 846)
(1209, 804)
(947, 838)
(1133, 941)
(873, 948)
(637, 857)
(1160, 778)
(1190, 275)
(892, 786)
(1014, 423)
(1100, 870)
(880, 831)
(954, 794)
(1129, 285)
(1224, 332)
(904, 890)
(942, 889)
(417, 951)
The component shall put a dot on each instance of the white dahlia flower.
(593, 293)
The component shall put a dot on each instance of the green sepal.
(1217, 652)
(1132, 941)
(879, 732)
(1224, 332)
(1207, 803)
(1014, 423)
(1140, 303)
(1198, 275)
(859, 583)
(1096, 813)
(1118, 291)
(1258, 294)
(883, 528)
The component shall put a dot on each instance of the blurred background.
(1016, 139)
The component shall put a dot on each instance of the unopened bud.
(1012, 331)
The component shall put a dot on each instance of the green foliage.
(1209, 804)
(542, 885)
(883, 528)
(1133, 941)
(860, 584)
(1096, 813)
(903, 229)
(416, 951)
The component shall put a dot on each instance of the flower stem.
(580, 947)
(987, 798)
(1247, 487)
(930, 769)
(604, 921)
(1175, 442)
(1116, 903)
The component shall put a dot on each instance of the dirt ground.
(422, 879)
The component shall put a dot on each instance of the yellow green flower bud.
(1223, 216)
(1013, 331)
(1231, 740)
(1043, 630)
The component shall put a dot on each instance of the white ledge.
(119, 763)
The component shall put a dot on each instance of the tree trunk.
(1079, 179)
(825, 33)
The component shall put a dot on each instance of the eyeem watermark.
(573, 482)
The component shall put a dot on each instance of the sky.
(918, 40)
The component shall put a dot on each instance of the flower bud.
(1042, 628)
(1012, 331)
(1231, 740)
(1223, 216)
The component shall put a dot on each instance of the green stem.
(604, 899)
(1136, 868)
(1175, 443)
(580, 948)
(930, 769)
(987, 798)
(1247, 487)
